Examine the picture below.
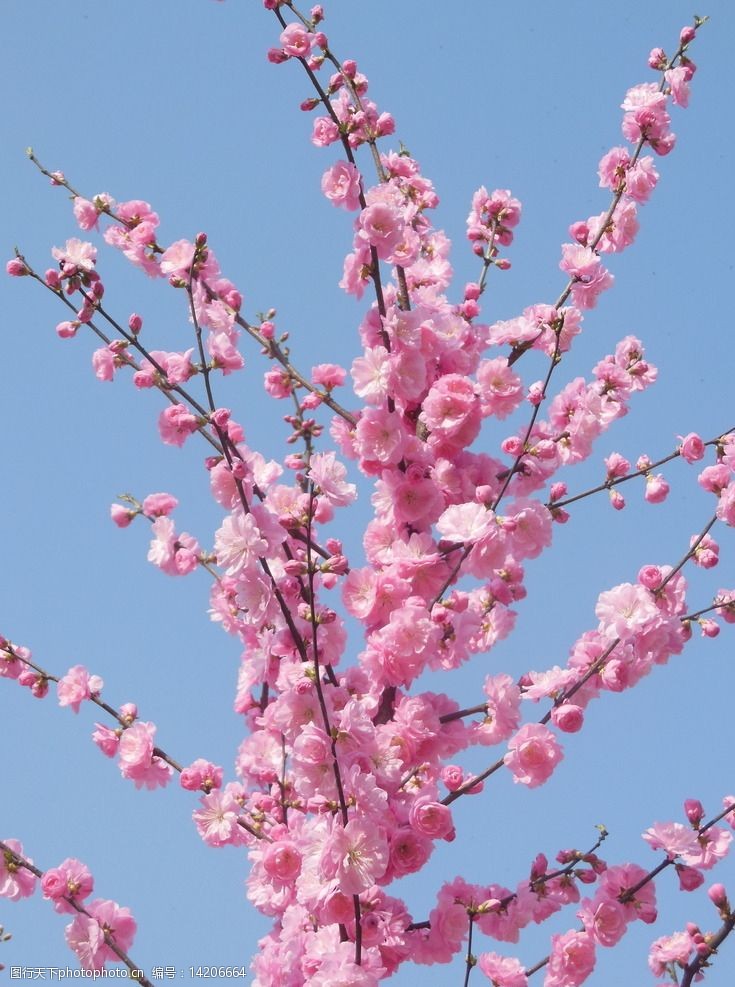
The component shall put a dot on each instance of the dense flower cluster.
(346, 773)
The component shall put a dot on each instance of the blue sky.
(175, 103)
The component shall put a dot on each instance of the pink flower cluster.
(97, 926)
(346, 775)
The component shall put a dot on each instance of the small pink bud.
(121, 516)
(16, 268)
(586, 876)
(689, 878)
(687, 34)
(617, 500)
(694, 811)
(66, 330)
(276, 55)
(717, 894)
(709, 628)
(128, 712)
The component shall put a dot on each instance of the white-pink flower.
(238, 543)
(76, 686)
(329, 476)
(465, 523)
(76, 253)
(625, 610)
(356, 855)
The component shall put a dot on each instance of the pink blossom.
(615, 884)
(177, 259)
(136, 758)
(712, 846)
(85, 937)
(503, 709)
(572, 959)
(85, 213)
(500, 390)
(216, 821)
(86, 934)
(325, 132)
(71, 879)
(159, 504)
(382, 226)
(641, 179)
(502, 971)
(103, 361)
(76, 255)
(356, 855)
(726, 505)
(296, 40)
(370, 373)
(328, 375)
(589, 277)
(678, 80)
(692, 447)
(76, 686)
(677, 840)
(282, 861)
(568, 717)
(625, 611)
(176, 423)
(531, 528)
(238, 543)
(451, 412)
(657, 489)
(341, 185)
(16, 882)
(432, 819)
(17, 269)
(605, 920)
(533, 753)
(329, 476)
(201, 774)
(666, 950)
(106, 739)
(613, 168)
(465, 523)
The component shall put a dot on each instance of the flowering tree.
(359, 761)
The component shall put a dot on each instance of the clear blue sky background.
(175, 103)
